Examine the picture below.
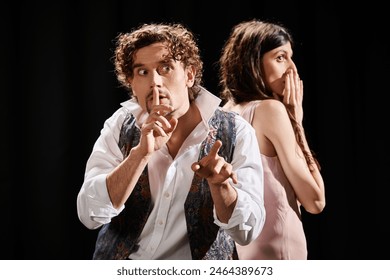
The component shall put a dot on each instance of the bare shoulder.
(231, 106)
(271, 118)
(270, 108)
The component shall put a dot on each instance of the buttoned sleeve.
(248, 217)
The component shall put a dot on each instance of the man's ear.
(191, 72)
(129, 80)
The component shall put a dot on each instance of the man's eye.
(142, 72)
(164, 69)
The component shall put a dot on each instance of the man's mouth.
(164, 100)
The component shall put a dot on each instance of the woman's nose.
(293, 66)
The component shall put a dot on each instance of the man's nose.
(156, 80)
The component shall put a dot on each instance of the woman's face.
(276, 62)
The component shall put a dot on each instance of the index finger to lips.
(156, 96)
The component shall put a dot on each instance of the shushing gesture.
(214, 168)
(159, 126)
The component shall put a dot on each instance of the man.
(171, 176)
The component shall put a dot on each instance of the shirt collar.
(132, 106)
(207, 104)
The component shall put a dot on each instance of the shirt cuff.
(241, 214)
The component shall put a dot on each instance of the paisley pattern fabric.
(118, 239)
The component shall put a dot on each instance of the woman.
(260, 81)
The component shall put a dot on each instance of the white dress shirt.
(165, 233)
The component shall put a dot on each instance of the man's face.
(154, 68)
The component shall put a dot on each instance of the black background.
(58, 87)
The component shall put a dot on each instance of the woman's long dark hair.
(241, 71)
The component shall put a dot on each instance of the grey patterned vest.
(118, 239)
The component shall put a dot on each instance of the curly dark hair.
(180, 41)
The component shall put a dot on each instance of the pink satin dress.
(283, 236)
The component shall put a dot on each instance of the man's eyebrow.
(165, 60)
(138, 65)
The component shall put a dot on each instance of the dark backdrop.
(58, 87)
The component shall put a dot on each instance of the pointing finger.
(215, 148)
